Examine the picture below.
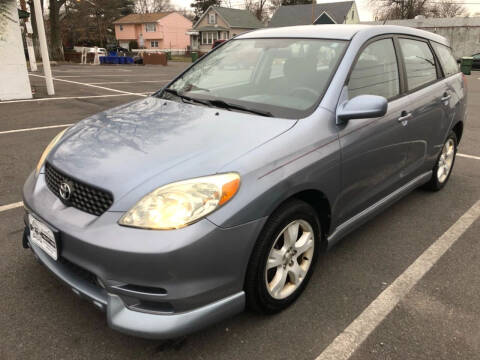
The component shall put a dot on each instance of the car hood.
(152, 142)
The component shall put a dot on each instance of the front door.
(375, 152)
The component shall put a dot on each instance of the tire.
(440, 178)
(263, 287)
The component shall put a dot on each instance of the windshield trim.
(291, 113)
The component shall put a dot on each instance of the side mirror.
(363, 107)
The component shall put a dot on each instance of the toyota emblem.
(65, 191)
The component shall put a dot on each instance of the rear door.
(428, 104)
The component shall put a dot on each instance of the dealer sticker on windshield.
(42, 236)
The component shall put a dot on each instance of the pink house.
(165, 30)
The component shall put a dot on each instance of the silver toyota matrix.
(219, 191)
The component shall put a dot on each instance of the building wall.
(355, 19)
(175, 27)
(464, 41)
(14, 81)
(462, 33)
(170, 32)
(128, 32)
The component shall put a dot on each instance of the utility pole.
(313, 11)
(28, 39)
(43, 47)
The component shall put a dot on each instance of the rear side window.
(419, 63)
(376, 71)
(448, 62)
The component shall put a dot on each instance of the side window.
(376, 71)
(448, 62)
(419, 63)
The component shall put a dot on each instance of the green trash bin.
(194, 56)
(466, 65)
(169, 55)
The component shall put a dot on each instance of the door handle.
(404, 118)
(445, 98)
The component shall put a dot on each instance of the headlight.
(47, 150)
(179, 204)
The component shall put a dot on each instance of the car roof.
(339, 32)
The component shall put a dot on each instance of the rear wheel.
(283, 259)
(444, 166)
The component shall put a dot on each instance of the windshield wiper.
(185, 97)
(229, 106)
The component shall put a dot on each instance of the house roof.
(142, 18)
(236, 18)
(290, 15)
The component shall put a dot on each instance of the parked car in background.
(177, 210)
(217, 42)
(101, 51)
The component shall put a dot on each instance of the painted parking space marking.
(469, 156)
(70, 98)
(90, 85)
(34, 129)
(130, 82)
(10, 206)
(345, 344)
(108, 75)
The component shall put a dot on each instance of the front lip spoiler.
(146, 325)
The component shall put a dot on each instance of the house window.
(353, 14)
(212, 19)
(209, 37)
(121, 27)
(151, 27)
(224, 35)
(154, 43)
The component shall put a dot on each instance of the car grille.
(84, 197)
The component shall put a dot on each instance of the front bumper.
(153, 284)
(153, 326)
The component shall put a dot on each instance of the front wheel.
(444, 166)
(283, 259)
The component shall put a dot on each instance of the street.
(437, 319)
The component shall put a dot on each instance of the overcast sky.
(363, 8)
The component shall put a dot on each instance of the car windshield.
(273, 77)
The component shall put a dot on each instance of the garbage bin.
(466, 65)
(194, 56)
(169, 55)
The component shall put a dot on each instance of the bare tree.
(257, 8)
(408, 9)
(447, 8)
(152, 6)
(56, 46)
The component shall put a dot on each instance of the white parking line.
(469, 156)
(94, 86)
(130, 82)
(33, 129)
(10, 206)
(100, 75)
(69, 98)
(345, 344)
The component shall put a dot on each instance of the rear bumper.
(147, 325)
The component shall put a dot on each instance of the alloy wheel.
(445, 161)
(289, 259)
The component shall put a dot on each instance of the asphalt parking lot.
(438, 318)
